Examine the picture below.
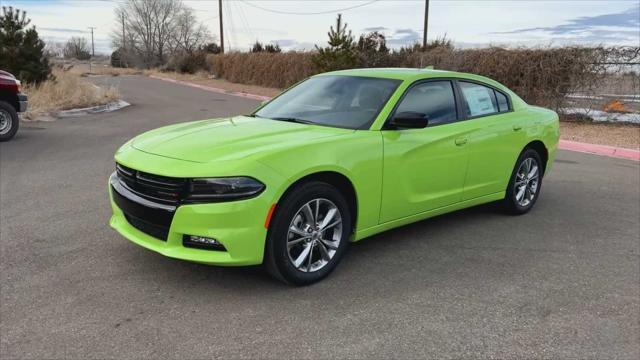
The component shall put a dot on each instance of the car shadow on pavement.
(389, 252)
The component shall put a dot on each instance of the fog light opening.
(202, 242)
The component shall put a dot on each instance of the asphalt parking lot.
(560, 282)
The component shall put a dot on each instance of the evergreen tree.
(372, 50)
(22, 50)
(341, 53)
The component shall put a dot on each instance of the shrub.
(276, 70)
(184, 62)
(270, 48)
(541, 76)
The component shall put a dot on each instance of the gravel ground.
(621, 135)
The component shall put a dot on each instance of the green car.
(336, 158)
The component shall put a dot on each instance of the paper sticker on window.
(479, 99)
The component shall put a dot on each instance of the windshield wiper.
(293, 119)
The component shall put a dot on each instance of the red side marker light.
(269, 215)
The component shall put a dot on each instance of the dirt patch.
(619, 135)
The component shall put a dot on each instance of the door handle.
(461, 141)
(517, 127)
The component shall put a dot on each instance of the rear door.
(495, 140)
(424, 169)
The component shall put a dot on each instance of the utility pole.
(221, 30)
(426, 24)
(93, 50)
(123, 38)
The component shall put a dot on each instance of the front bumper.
(22, 102)
(238, 225)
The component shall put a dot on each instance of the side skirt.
(361, 234)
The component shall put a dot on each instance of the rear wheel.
(525, 183)
(308, 235)
(9, 121)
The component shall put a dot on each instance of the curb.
(112, 106)
(604, 150)
(213, 89)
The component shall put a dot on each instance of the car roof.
(411, 74)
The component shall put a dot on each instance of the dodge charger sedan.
(334, 159)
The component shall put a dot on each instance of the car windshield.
(351, 102)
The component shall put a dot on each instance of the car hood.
(228, 138)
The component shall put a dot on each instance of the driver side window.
(434, 99)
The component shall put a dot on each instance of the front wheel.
(525, 183)
(9, 121)
(308, 234)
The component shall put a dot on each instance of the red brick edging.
(600, 150)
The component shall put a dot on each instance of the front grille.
(153, 187)
(157, 231)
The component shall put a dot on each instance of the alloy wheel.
(314, 235)
(527, 181)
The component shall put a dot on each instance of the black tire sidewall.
(15, 121)
(510, 199)
(286, 209)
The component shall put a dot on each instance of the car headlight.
(223, 189)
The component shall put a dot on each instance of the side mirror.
(409, 120)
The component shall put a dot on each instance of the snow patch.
(603, 116)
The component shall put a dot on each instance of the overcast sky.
(288, 22)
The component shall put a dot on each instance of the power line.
(308, 13)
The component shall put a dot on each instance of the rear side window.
(480, 100)
(434, 99)
(503, 103)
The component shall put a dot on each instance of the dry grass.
(68, 91)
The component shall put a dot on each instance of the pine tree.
(22, 50)
(340, 54)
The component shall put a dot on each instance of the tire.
(9, 121)
(285, 247)
(522, 193)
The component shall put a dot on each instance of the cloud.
(285, 42)
(404, 36)
(63, 30)
(621, 26)
(376, 28)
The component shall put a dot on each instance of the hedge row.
(540, 76)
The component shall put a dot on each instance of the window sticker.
(479, 100)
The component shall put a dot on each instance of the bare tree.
(188, 35)
(54, 49)
(155, 28)
(77, 48)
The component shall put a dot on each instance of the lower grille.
(157, 231)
